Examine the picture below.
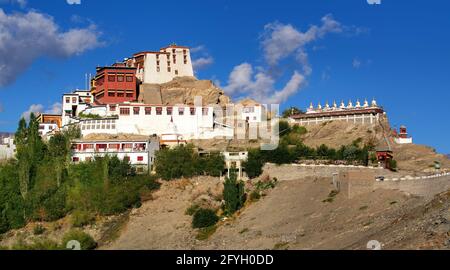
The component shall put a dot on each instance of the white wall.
(153, 76)
(7, 148)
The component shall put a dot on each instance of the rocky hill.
(182, 90)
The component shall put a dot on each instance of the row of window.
(120, 78)
(126, 159)
(159, 110)
(119, 93)
(98, 124)
(74, 99)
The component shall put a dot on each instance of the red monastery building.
(114, 84)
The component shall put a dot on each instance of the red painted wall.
(122, 88)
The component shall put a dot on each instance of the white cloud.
(356, 63)
(55, 108)
(25, 37)
(21, 3)
(279, 41)
(201, 59)
(34, 108)
(74, 2)
(261, 86)
(202, 62)
(282, 40)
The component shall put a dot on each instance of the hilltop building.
(162, 66)
(114, 84)
(365, 113)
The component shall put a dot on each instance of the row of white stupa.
(342, 106)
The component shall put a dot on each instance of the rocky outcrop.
(182, 90)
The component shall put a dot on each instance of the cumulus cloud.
(202, 62)
(261, 86)
(201, 58)
(279, 42)
(55, 108)
(25, 37)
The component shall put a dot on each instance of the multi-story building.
(75, 103)
(48, 123)
(114, 84)
(162, 66)
(7, 147)
(140, 153)
(358, 113)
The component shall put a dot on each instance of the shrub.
(254, 196)
(204, 218)
(192, 209)
(81, 218)
(44, 244)
(86, 241)
(38, 230)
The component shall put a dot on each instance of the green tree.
(254, 164)
(233, 194)
(291, 111)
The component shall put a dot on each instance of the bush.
(86, 241)
(254, 196)
(192, 209)
(44, 244)
(38, 230)
(82, 218)
(204, 218)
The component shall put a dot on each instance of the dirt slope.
(293, 216)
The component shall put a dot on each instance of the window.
(120, 94)
(111, 94)
(67, 99)
(136, 110)
(184, 51)
(111, 78)
(129, 94)
(205, 111)
(157, 57)
(88, 159)
(75, 159)
(192, 111)
(173, 50)
(158, 69)
(127, 146)
(176, 72)
(169, 69)
(129, 78)
(180, 111)
(124, 111)
(140, 158)
(74, 100)
(41, 127)
(157, 63)
(148, 110)
(112, 108)
(120, 78)
(169, 110)
(158, 111)
(126, 159)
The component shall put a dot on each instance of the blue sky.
(397, 52)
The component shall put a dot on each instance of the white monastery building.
(7, 148)
(162, 66)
